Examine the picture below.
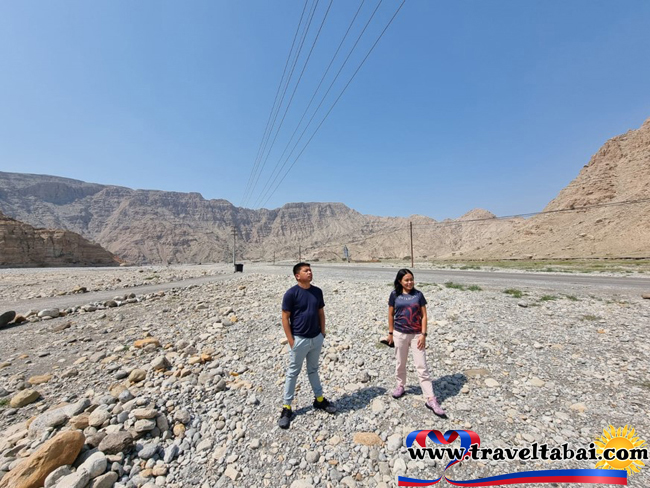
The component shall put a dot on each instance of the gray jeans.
(303, 348)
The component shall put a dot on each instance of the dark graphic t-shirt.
(408, 311)
(304, 305)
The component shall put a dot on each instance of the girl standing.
(407, 328)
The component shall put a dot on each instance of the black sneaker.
(285, 418)
(324, 405)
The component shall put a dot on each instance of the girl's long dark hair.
(399, 289)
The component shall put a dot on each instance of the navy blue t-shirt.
(304, 305)
(407, 311)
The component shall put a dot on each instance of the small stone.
(144, 413)
(204, 445)
(368, 439)
(394, 442)
(116, 442)
(61, 327)
(182, 416)
(106, 480)
(378, 405)
(159, 470)
(116, 390)
(78, 479)
(144, 425)
(95, 464)
(231, 473)
(399, 467)
(98, 417)
(137, 375)
(491, 383)
(49, 312)
(147, 341)
(474, 373)
(56, 475)
(161, 363)
(579, 407)
(24, 397)
(170, 453)
(50, 418)
(37, 380)
(79, 421)
(148, 451)
(179, 430)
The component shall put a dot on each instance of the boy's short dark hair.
(299, 266)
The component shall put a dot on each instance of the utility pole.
(273, 258)
(411, 228)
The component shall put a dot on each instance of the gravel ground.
(546, 367)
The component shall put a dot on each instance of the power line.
(277, 93)
(276, 110)
(295, 89)
(277, 169)
(324, 76)
(284, 92)
(269, 185)
(487, 219)
(336, 101)
(544, 212)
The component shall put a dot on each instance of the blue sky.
(461, 105)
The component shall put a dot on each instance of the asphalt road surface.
(558, 282)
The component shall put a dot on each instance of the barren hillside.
(23, 245)
(148, 226)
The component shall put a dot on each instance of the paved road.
(566, 283)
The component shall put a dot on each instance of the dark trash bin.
(239, 268)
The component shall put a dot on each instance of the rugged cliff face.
(618, 172)
(147, 226)
(23, 245)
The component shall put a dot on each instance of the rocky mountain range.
(149, 226)
(24, 245)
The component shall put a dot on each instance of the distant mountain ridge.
(23, 245)
(151, 226)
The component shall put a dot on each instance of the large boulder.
(61, 450)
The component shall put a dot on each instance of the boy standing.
(303, 321)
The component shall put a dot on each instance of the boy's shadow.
(357, 400)
(444, 387)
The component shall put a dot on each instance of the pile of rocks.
(183, 388)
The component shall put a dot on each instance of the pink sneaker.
(398, 392)
(432, 404)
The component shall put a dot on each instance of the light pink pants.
(402, 344)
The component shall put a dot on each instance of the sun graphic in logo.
(619, 449)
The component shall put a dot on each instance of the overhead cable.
(335, 102)
(277, 93)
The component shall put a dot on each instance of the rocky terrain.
(28, 284)
(23, 245)
(183, 387)
(619, 171)
(147, 226)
